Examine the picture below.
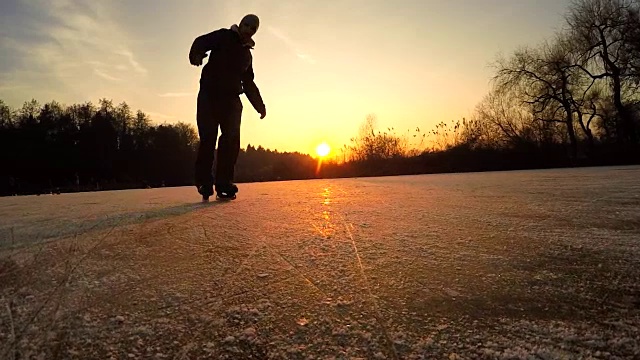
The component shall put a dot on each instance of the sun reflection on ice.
(326, 227)
(326, 196)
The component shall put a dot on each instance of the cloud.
(105, 75)
(132, 61)
(66, 43)
(295, 48)
(306, 58)
(13, 87)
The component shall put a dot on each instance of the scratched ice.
(522, 265)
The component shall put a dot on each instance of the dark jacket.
(229, 70)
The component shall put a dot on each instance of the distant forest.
(569, 101)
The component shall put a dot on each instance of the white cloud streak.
(79, 41)
(132, 61)
(105, 75)
(295, 48)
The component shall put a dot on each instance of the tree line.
(83, 147)
(571, 100)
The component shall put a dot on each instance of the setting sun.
(323, 150)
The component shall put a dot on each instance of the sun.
(323, 149)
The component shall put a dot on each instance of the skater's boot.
(205, 191)
(227, 191)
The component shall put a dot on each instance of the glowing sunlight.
(323, 149)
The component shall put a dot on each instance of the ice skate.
(206, 191)
(226, 192)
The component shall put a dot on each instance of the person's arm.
(253, 93)
(202, 44)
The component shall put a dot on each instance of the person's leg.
(207, 120)
(229, 145)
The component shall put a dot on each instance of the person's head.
(248, 26)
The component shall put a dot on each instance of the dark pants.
(213, 111)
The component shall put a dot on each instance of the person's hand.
(263, 113)
(196, 60)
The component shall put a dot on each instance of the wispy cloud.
(13, 87)
(306, 57)
(68, 42)
(177, 94)
(295, 48)
(105, 75)
(132, 61)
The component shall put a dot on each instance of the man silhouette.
(227, 74)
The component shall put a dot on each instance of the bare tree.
(504, 117)
(6, 116)
(372, 145)
(29, 113)
(605, 32)
(591, 106)
(632, 46)
(548, 80)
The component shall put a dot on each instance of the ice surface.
(505, 265)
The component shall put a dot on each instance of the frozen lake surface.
(503, 265)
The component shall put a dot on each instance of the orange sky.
(322, 66)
